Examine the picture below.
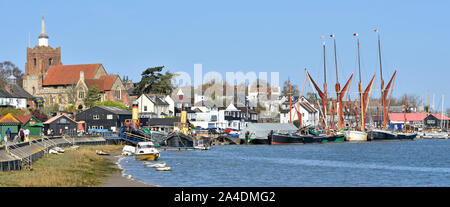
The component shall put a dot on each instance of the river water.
(390, 163)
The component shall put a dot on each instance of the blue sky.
(261, 36)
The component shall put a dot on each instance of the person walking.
(8, 134)
(6, 140)
(21, 135)
(27, 134)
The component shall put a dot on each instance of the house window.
(35, 61)
(96, 117)
(109, 116)
(145, 108)
(101, 127)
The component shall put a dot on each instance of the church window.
(81, 95)
(35, 61)
(118, 93)
(50, 61)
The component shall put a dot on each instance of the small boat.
(163, 168)
(53, 151)
(99, 152)
(356, 136)
(146, 151)
(128, 150)
(435, 135)
(56, 150)
(201, 146)
(156, 165)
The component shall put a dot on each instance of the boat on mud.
(146, 151)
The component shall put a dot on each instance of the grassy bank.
(74, 168)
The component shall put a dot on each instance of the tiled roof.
(57, 117)
(104, 83)
(69, 74)
(24, 119)
(308, 107)
(156, 99)
(18, 92)
(4, 93)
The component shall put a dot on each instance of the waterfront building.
(434, 121)
(182, 98)
(231, 117)
(15, 96)
(310, 115)
(60, 123)
(10, 122)
(103, 117)
(155, 106)
(161, 124)
(29, 122)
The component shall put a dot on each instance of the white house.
(310, 115)
(12, 99)
(232, 118)
(155, 106)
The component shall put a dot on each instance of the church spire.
(43, 37)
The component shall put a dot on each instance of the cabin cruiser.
(435, 135)
(146, 151)
(356, 136)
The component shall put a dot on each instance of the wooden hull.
(286, 139)
(149, 157)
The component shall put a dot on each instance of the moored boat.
(286, 139)
(356, 136)
(146, 151)
(155, 165)
(378, 134)
(407, 135)
(336, 138)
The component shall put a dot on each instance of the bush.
(13, 111)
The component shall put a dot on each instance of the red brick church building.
(66, 85)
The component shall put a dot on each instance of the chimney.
(82, 75)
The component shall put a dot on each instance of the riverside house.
(104, 117)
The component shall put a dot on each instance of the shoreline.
(117, 179)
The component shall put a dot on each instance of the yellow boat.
(146, 151)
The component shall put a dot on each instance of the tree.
(294, 89)
(153, 81)
(41, 116)
(6, 69)
(92, 96)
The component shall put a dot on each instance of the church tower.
(39, 60)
